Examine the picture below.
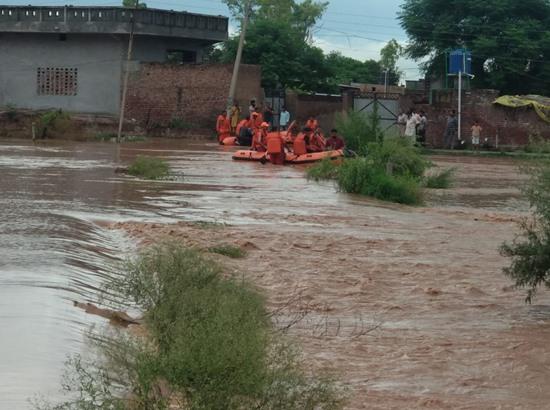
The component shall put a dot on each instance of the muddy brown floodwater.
(407, 306)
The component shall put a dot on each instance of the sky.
(355, 28)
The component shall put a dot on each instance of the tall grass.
(440, 180)
(359, 130)
(323, 170)
(212, 345)
(530, 251)
(149, 167)
(538, 145)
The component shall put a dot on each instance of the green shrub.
(359, 130)
(230, 251)
(11, 112)
(105, 136)
(323, 170)
(179, 123)
(362, 176)
(440, 180)
(530, 251)
(52, 122)
(538, 145)
(149, 167)
(398, 156)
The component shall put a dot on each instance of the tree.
(509, 39)
(131, 4)
(347, 70)
(389, 56)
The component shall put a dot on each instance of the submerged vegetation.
(440, 180)
(230, 251)
(149, 168)
(211, 345)
(389, 169)
(530, 252)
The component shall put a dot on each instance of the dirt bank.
(407, 305)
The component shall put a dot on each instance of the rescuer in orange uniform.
(259, 141)
(312, 124)
(299, 146)
(317, 142)
(223, 127)
(275, 146)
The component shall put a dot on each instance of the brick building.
(73, 58)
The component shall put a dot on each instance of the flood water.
(54, 247)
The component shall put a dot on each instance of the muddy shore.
(407, 306)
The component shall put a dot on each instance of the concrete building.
(73, 58)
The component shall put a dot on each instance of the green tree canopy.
(347, 70)
(131, 4)
(509, 39)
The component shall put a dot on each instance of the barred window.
(57, 81)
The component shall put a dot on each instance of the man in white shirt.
(284, 119)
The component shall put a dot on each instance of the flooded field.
(407, 306)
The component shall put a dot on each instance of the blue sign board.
(460, 60)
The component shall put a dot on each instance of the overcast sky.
(355, 28)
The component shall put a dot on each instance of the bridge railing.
(65, 14)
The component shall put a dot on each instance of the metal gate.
(276, 99)
(387, 106)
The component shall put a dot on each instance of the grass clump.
(440, 180)
(323, 170)
(211, 345)
(538, 145)
(53, 122)
(149, 168)
(231, 251)
(530, 251)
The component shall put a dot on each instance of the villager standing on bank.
(402, 123)
(421, 128)
(451, 131)
(252, 107)
(476, 135)
(410, 129)
(235, 117)
(223, 127)
(284, 119)
(268, 116)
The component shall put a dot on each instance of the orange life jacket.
(299, 145)
(274, 144)
(223, 125)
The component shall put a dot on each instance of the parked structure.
(73, 58)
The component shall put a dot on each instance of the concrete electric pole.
(236, 67)
(126, 73)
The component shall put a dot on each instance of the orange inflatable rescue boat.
(249, 155)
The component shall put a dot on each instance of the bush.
(359, 130)
(323, 170)
(230, 251)
(11, 112)
(149, 167)
(530, 251)
(179, 123)
(362, 176)
(538, 145)
(52, 122)
(398, 156)
(211, 344)
(441, 180)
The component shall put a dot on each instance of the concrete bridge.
(112, 20)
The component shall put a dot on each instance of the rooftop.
(112, 20)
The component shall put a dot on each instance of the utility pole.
(126, 73)
(236, 67)
(386, 83)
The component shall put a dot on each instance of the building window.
(57, 81)
(181, 56)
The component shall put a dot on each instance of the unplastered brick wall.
(504, 126)
(194, 94)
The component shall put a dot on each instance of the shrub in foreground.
(149, 168)
(440, 180)
(323, 170)
(212, 345)
(530, 252)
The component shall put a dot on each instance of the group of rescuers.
(255, 131)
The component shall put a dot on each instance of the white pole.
(460, 105)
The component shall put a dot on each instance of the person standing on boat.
(275, 146)
(257, 118)
(335, 142)
(284, 119)
(259, 142)
(235, 116)
(268, 116)
(223, 127)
